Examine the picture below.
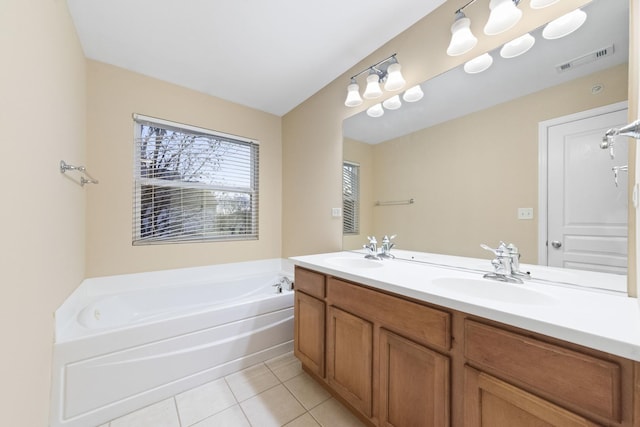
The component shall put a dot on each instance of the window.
(192, 184)
(350, 198)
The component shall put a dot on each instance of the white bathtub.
(124, 342)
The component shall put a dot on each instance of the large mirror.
(470, 162)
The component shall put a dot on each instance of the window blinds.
(192, 184)
(350, 198)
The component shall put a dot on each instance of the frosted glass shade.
(504, 15)
(478, 64)
(353, 95)
(375, 111)
(373, 89)
(395, 81)
(564, 25)
(540, 4)
(392, 103)
(517, 46)
(413, 94)
(462, 39)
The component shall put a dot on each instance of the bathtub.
(124, 342)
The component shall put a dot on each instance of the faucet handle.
(372, 239)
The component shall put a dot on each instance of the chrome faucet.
(631, 130)
(387, 246)
(372, 248)
(506, 264)
(285, 284)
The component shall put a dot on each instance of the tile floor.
(271, 394)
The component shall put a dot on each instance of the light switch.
(336, 212)
(525, 213)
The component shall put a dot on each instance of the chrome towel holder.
(85, 178)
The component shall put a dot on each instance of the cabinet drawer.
(566, 376)
(310, 282)
(420, 323)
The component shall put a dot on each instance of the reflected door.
(587, 212)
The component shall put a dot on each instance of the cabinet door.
(414, 384)
(489, 401)
(349, 358)
(309, 315)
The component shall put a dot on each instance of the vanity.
(406, 343)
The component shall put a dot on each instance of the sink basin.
(493, 291)
(354, 262)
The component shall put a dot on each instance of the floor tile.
(332, 414)
(272, 408)
(231, 417)
(307, 391)
(161, 414)
(202, 402)
(304, 421)
(285, 367)
(252, 381)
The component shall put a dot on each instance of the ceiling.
(456, 94)
(267, 55)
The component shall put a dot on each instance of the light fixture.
(375, 111)
(413, 94)
(517, 46)
(462, 39)
(353, 94)
(395, 81)
(392, 103)
(540, 4)
(373, 89)
(564, 25)
(387, 71)
(504, 15)
(478, 64)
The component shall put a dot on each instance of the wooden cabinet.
(399, 362)
(350, 358)
(414, 384)
(492, 402)
(309, 320)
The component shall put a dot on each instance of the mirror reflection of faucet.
(373, 252)
(506, 264)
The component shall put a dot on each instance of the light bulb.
(353, 95)
(375, 111)
(564, 25)
(373, 87)
(478, 64)
(392, 103)
(395, 81)
(504, 15)
(413, 94)
(517, 46)
(462, 39)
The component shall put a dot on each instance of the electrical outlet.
(525, 213)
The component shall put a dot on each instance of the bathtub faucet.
(284, 284)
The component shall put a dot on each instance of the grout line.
(175, 403)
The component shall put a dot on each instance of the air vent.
(585, 59)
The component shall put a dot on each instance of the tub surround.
(601, 317)
(124, 342)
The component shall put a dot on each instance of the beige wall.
(113, 95)
(42, 117)
(312, 139)
(470, 175)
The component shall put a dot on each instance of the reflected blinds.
(192, 184)
(350, 198)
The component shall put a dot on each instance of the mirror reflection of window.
(350, 198)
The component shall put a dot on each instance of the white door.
(587, 212)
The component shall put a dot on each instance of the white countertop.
(600, 316)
